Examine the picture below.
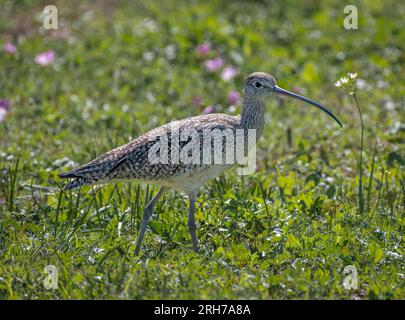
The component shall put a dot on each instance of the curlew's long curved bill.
(287, 93)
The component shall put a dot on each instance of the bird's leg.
(191, 221)
(146, 216)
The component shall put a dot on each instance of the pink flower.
(214, 64)
(4, 107)
(229, 73)
(196, 102)
(45, 58)
(10, 48)
(209, 109)
(234, 97)
(203, 49)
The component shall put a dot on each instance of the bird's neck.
(253, 114)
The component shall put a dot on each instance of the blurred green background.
(124, 67)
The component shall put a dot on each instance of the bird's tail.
(77, 180)
(91, 173)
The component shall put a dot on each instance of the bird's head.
(260, 84)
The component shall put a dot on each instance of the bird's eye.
(258, 84)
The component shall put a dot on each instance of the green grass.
(286, 232)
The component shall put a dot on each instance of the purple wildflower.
(214, 64)
(45, 58)
(203, 49)
(229, 73)
(10, 48)
(234, 97)
(208, 109)
(4, 104)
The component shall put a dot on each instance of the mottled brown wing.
(130, 161)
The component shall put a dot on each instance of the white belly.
(193, 180)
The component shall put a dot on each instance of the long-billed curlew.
(134, 161)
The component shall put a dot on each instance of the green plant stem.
(370, 181)
(361, 198)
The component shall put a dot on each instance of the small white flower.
(344, 80)
(98, 250)
(338, 84)
(3, 113)
(352, 75)
(119, 228)
(231, 109)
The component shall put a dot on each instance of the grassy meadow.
(115, 69)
